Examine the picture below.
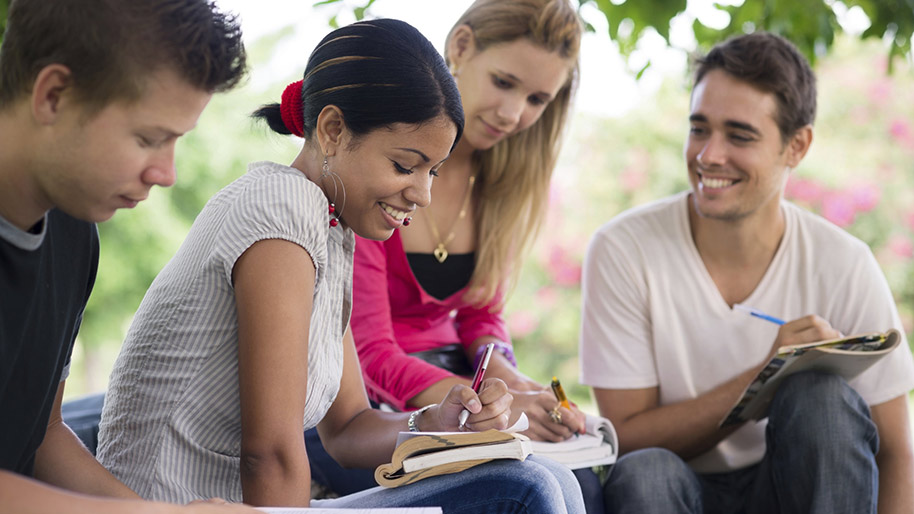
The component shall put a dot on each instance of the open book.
(847, 356)
(597, 446)
(426, 454)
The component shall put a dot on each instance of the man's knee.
(811, 404)
(652, 477)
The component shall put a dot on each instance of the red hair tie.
(293, 115)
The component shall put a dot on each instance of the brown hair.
(111, 46)
(513, 184)
(771, 64)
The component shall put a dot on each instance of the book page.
(847, 357)
(598, 446)
(520, 425)
(511, 449)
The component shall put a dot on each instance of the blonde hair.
(513, 185)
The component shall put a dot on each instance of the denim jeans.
(533, 486)
(820, 458)
(536, 485)
(343, 481)
(82, 415)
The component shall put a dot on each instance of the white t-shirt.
(653, 316)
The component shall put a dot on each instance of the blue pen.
(759, 314)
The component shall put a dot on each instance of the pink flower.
(546, 297)
(522, 323)
(901, 246)
(804, 190)
(901, 130)
(865, 196)
(563, 270)
(839, 209)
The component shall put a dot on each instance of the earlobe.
(330, 129)
(51, 84)
(461, 45)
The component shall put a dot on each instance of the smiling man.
(93, 95)
(667, 355)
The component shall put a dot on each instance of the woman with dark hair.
(242, 340)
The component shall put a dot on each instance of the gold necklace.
(440, 251)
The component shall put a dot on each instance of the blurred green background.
(858, 173)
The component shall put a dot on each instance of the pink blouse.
(393, 316)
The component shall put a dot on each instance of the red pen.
(477, 381)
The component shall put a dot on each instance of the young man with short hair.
(93, 96)
(667, 355)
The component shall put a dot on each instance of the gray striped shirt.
(171, 427)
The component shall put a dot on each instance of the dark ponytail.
(378, 73)
(271, 115)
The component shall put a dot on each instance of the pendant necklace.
(440, 251)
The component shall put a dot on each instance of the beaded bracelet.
(502, 347)
(413, 422)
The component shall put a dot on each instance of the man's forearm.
(63, 461)
(896, 484)
(689, 428)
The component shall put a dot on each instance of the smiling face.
(504, 88)
(737, 161)
(99, 162)
(388, 173)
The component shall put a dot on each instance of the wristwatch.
(413, 422)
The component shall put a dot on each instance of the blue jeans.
(82, 416)
(820, 457)
(533, 486)
(536, 485)
(342, 481)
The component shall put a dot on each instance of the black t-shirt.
(442, 279)
(46, 276)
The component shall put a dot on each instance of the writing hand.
(491, 408)
(807, 329)
(538, 406)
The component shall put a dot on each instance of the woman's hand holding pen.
(491, 408)
(539, 405)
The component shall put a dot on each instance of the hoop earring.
(335, 215)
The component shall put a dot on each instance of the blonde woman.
(429, 298)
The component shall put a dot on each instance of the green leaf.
(642, 70)
(4, 11)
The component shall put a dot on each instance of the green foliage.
(894, 19)
(638, 16)
(4, 9)
(810, 24)
(359, 12)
